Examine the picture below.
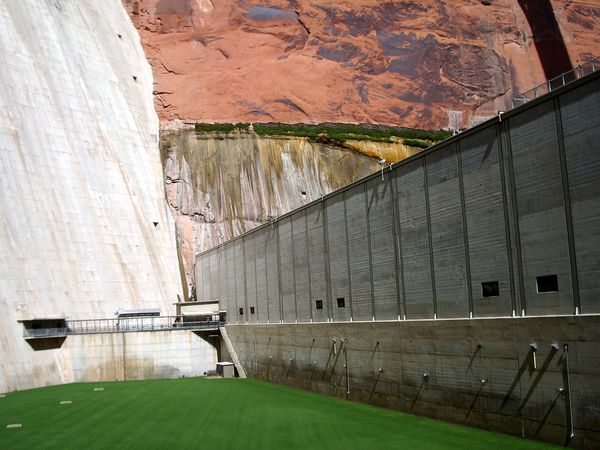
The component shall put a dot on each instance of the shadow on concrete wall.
(423, 384)
(538, 378)
(527, 363)
(47, 343)
(547, 37)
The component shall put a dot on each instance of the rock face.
(412, 63)
(220, 186)
(84, 226)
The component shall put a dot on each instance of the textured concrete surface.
(140, 356)
(84, 226)
(120, 356)
(506, 202)
(384, 364)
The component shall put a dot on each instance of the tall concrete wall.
(386, 363)
(393, 267)
(512, 200)
(84, 226)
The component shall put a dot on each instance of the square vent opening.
(546, 283)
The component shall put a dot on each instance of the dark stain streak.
(302, 23)
(223, 52)
(291, 104)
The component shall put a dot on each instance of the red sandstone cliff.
(415, 63)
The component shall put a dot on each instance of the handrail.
(123, 325)
(565, 78)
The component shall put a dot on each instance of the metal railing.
(44, 332)
(123, 325)
(559, 81)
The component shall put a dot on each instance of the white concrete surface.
(139, 356)
(81, 184)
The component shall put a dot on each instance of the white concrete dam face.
(84, 228)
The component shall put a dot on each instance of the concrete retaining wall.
(456, 355)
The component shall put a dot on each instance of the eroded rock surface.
(220, 186)
(413, 63)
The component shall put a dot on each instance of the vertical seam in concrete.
(465, 229)
(210, 294)
(219, 286)
(370, 251)
(124, 357)
(507, 234)
(567, 205)
(515, 211)
(202, 283)
(396, 233)
(255, 280)
(279, 275)
(267, 275)
(226, 280)
(517, 339)
(222, 271)
(294, 268)
(246, 312)
(429, 237)
(326, 262)
(227, 272)
(348, 257)
(310, 299)
(235, 283)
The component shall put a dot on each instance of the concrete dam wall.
(489, 238)
(84, 226)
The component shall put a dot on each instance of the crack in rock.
(301, 22)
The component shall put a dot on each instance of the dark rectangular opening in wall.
(45, 326)
(252, 310)
(547, 283)
(45, 334)
(490, 289)
(319, 304)
(341, 302)
(241, 311)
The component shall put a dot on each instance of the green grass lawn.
(214, 414)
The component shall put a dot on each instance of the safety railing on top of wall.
(559, 81)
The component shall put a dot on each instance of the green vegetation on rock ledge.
(333, 132)
(220, 127)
